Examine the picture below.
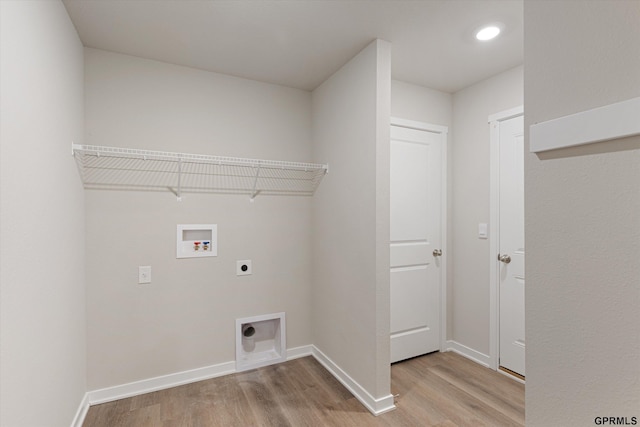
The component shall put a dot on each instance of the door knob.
(437, 252)
(504, 258)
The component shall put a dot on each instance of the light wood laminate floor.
(439, 389)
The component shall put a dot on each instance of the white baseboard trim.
(297, 352)
(136, 388)
(149, 385)
(81, 413)
(375, 406)
(469, 353)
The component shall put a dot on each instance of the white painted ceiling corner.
(301, 43)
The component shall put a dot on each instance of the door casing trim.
(494, 229)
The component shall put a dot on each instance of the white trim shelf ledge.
(613, 121)
(113, 168)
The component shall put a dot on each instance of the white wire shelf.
(115, 168)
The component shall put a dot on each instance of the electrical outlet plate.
(243, 267)
(144, 274)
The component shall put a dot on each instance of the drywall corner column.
(42, 309)
(350, 295)
(383, 220)
(582, 225)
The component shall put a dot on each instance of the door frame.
(444, 133)
(494, 230)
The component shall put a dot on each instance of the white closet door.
(416, 186)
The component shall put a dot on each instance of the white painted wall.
(582, 224)
(42, 323)
(350, 297)
(469, 281)
(186, 317)
(413, 102)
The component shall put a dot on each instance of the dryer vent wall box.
(196, 240)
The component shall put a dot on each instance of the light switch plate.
(144, 274)
(243, 267)
(483, 230)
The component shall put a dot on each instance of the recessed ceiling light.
(488, 33)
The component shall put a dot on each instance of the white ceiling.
(300, 43)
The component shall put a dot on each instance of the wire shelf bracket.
(113, 168)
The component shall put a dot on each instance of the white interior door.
(511, 246)
(416, 241)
